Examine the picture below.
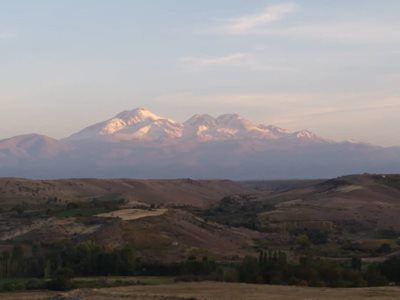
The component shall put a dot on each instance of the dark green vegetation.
(54, 267)
(274, 186)
(343, 232)
(390, 180)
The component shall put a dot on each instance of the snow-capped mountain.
(142, 125)
(137, 124)
(138, 143)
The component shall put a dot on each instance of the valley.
(201, 230)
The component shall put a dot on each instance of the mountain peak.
(136, 115)
(200, 119)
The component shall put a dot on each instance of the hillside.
(153, 216)
(339, 217)
(15, 191)
(336, 229)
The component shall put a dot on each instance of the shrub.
(35, 284)
(13, 286)
(62, 281)
(230, 275)
(384, 248)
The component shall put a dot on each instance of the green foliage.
(62, 280)
(356, 263)
(238, 211)
(391, 269)
(13, 286)
(250, 271)
(374, 277)
(194, 266)
(303, 241)
(61, 261)
(390, 180)
(384, 248)
(230, 275)
(314, 236)
(388, 233)
(35, 284)
(317, 237)
(84, 209)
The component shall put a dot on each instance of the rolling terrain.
(153, 216)
(177, 227)
(339, 217)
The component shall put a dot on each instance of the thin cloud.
(345, 32)
(239, 60)
(338, 31)
(248, 23)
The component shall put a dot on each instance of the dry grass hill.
(173, 218)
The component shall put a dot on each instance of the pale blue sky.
(332, 67)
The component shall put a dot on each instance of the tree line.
(63, 261)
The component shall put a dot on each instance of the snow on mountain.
(224, 127)
(137, 124)
(142, 125)
(305, 136)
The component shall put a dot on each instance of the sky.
(332, 67)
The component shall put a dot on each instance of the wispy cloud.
(239, 60)
(248, 23)
(341, 31)
(345, 32)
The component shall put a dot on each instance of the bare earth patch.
(133, 214)
(213, 291)
(240, 291)
(350, 188)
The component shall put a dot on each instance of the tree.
(356, 263)
(391, 269)
(5, 259)
(303, 241)
(249, 270)
(230, 275)
(384, 248)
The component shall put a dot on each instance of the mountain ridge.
(141, 124)
(141, 144)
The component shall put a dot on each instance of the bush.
(303, 241)
(391, 268)
(35, 284)
(384, 248)
(230, 275)
(13, 286)
(62, 281)
(375, 278)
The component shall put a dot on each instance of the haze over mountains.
(141, 144)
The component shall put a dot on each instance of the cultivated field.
(214, 291)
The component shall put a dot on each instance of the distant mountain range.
(140, 144)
